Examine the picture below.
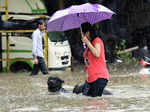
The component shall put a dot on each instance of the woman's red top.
(96, 67)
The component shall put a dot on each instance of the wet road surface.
(130, 90)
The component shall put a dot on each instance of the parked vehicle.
(24, 16)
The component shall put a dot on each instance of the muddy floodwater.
(130, 90)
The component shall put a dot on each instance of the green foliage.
(126, 57)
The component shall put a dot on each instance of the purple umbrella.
(75, 15)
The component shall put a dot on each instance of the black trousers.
(40, 66)
(95, 88)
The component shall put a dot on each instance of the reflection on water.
(27, 109)
(94, 105)
(23, 93)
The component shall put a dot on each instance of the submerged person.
(38, 49)
(95, 64)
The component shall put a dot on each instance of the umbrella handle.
(84, 45)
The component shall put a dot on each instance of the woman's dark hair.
(87, 27)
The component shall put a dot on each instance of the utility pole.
(61, 4)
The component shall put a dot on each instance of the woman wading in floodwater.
(95, 66)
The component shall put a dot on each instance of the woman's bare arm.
(94, 49)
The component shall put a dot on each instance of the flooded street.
(20, 92)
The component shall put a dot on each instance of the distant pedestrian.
(38, 49)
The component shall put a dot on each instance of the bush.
(126, 57)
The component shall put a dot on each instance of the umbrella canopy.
(75, 15)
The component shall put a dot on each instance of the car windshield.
(57, 36)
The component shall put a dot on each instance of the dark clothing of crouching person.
(55, 84)
(95, 66)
